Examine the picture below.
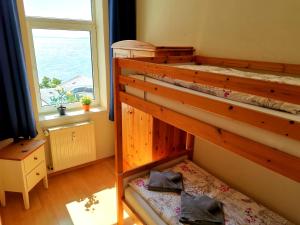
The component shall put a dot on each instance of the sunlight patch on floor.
(98, 209)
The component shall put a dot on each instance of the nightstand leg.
(26, 200)
(45, 181)
(2, 198)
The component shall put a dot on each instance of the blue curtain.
(16, 116)
(122, 26)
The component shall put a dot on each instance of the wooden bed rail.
(118, 143)
(262, 120)
(268, 89)
(155, 163)
(248, 64)
(283, 163)
(168, 59)
(285, 68)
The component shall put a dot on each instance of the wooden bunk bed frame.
(271, 158)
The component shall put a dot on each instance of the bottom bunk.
(163, 208)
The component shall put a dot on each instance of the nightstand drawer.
(34, 159)
(36, 175)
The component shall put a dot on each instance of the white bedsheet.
(238, 208)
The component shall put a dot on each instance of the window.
(64, 51)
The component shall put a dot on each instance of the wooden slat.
(155, 163)
(167, 59)
(268, 157)
(190, 139)
(174, 52)
(137, 149)
(283, 92)
(155, 138)
(118, 120)
(167, 139)
(249, 64)
(292, 69)
(262, 120)
(269, 66)
(118, 143)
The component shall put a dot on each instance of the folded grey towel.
(200, 210)
(165, 181)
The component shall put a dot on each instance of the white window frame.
(71, 25)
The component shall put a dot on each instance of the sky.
(60, 33)
(64, 9)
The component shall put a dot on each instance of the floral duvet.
(238, 208)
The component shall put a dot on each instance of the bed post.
(190, 144)
(118, 141)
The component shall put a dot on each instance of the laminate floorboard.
(49, 207)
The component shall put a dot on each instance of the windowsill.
(69, 114)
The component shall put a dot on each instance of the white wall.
(266, 30)
(261, 30)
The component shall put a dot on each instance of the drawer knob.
(37, 174)
(35, 158)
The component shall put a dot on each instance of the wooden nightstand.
(22, 166)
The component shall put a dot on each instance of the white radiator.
(72, 145)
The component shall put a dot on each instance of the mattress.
(164, 207)
(144, 210)
(235, 95)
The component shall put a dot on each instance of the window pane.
(62, 9)
(63, 61)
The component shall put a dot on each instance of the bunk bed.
(160, 86)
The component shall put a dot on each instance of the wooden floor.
(48, 207)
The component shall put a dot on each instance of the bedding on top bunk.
(236, 95)
(238, 208)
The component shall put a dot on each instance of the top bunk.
(262, 94)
